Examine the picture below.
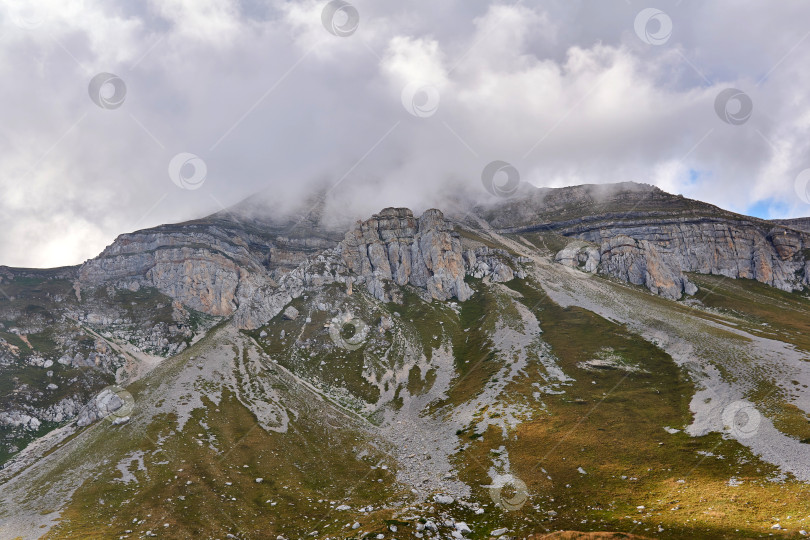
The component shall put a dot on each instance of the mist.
(119, 117)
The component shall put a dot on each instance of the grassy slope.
(770, 313)
(611, 423)
(184, 483)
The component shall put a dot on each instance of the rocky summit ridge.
(633, 232)
(221, 272)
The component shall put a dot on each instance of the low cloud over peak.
(385, 104)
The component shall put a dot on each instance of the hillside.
(595, 359)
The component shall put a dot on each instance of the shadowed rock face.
(393, 247)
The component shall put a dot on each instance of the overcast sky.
(206, 102)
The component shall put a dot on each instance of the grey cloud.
(566, 92)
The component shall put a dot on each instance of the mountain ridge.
(436, 362)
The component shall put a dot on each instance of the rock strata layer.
(636, 261)
(717, 246)
(394, 248)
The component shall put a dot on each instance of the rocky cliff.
(211, 268)
(802, 224)
(394, 248)
(737, 249)
(636, 261)
(683, 234)
(251, 275)
(228, 267)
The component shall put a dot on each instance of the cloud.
(407, 108)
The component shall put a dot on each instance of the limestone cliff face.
(637, 261)
(201, 269)
(736, 249)
(641, 263)
(212, 269)
(394, 248)
(801, 224)
(690, 235)
(229, 271)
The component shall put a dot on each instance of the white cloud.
(271, 100)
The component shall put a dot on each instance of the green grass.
(321, 458)
(610, 422)
(546, 241)
(763, 310)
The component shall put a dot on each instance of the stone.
(386, 323)
(392, 249)
(579, 254)
(640, 262)
(497, 264)
(443, 499)
(102, 405)
(19, 419)
(290, 313)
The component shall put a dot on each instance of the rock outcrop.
(17, 419)
(580, 255)
(636, 261)
(693, 236)
(497, 264)
(106, 403)
(641, 263)
(393, 249)
(716, 246)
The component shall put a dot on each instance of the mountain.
(603, 360)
